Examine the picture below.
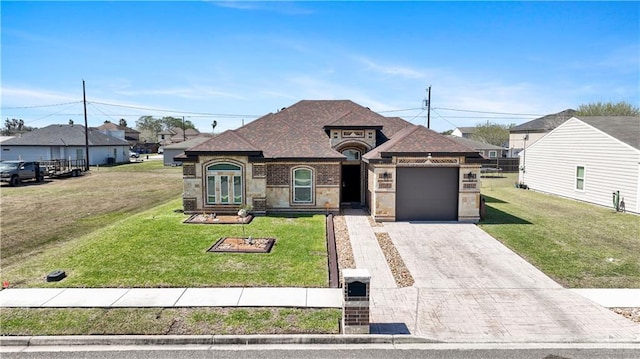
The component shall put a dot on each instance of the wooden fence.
(508, 165)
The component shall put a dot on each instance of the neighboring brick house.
(317, 156)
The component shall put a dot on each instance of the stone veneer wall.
(267, 186)
(382, 183)
(326, 187)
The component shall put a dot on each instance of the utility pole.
(86, 127)
(429, 107)
(184, 133)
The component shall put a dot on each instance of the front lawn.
(155, 249)
(577, 244)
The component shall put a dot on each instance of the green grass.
(159, 321)
(578, 244)
(143, 166)
(38, 216)
(155, 249)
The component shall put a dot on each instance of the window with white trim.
(580, 178)
(302, 185)
(493, 154)
(224, 184)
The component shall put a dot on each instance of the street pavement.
(471, 288)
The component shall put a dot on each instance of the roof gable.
(419, 140)
(545, 123)
(228, 141)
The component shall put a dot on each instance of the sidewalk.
(170, 297)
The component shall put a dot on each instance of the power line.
(176, 111)
(38, 106)
(442, 117)
(406, 109)
(489, 112)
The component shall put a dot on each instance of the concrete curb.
(210, 339)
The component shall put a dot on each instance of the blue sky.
(233, 61)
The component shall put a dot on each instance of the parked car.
(134, 154)
(15, 172)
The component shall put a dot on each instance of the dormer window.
(352, 155)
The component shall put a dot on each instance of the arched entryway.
(351, 174)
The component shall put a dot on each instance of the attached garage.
(427, 193)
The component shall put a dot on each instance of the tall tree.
(170, 122)
(608, 109)
(492, 133)
(14, 126)
(149, 128)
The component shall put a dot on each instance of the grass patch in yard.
(155, 249)
(577, 244)
(159, 321)
(38, 216)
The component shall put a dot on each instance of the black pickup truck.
(15, 172)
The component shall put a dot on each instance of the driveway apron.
(471, 288)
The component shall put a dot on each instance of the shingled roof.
(544, 123)
(419, 140)
(299, 131)
(64, 135)
(623, 128)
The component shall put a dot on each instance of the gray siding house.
(587, 159)
(175, 149)
(65, 142)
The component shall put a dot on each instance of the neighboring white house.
(65, 142)
(464, 132)
(587, 159)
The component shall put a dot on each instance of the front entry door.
(351, 180)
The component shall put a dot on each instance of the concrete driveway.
(470, 288)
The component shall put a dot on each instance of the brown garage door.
(427, 194)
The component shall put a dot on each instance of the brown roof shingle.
(418, 140)
(299, 132)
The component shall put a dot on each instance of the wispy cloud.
(280, 7)
(193, 93)
(16, 96)
(392, 70)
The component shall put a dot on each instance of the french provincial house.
(317, 156)
(587, 159)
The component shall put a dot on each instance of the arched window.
(224, 184)
(352, 154)
(302, 185)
